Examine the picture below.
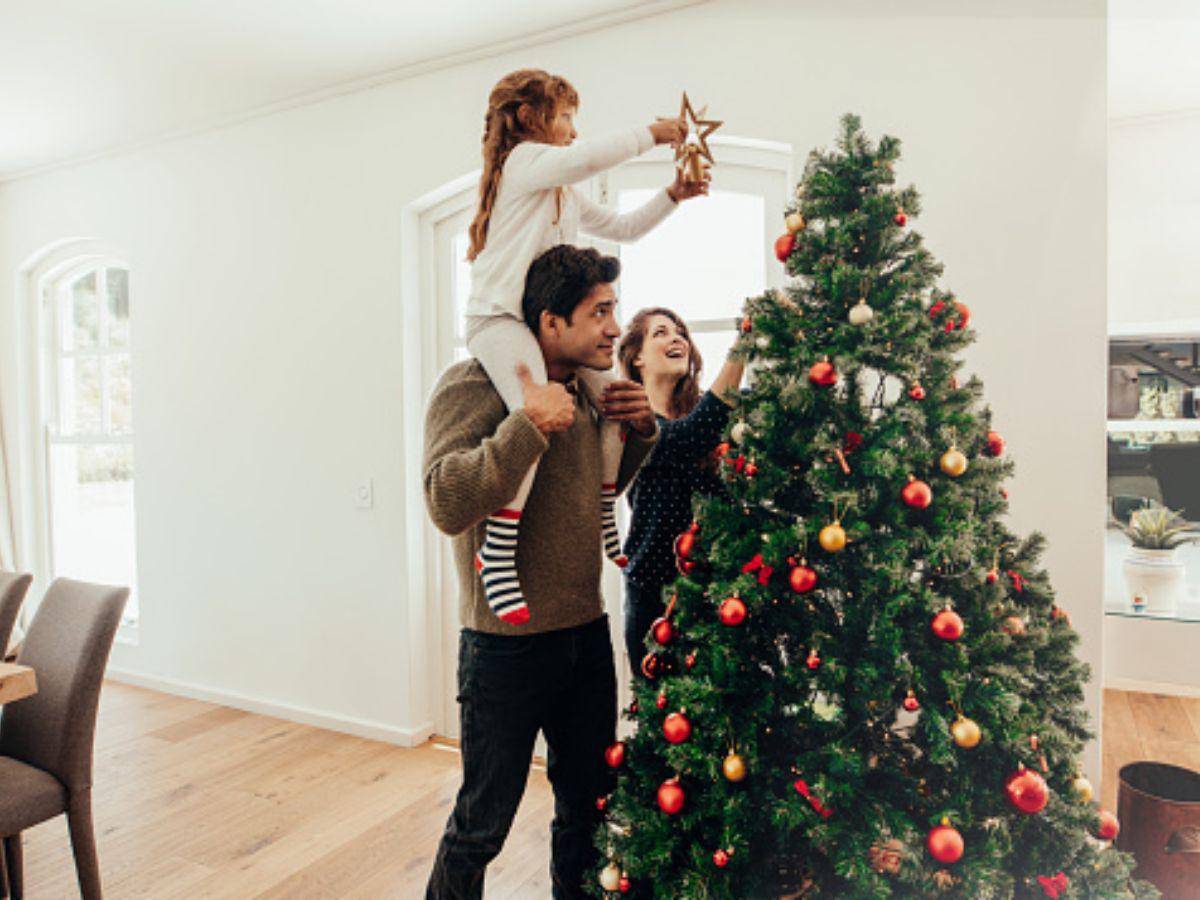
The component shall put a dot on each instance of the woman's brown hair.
(521, 107)
(687, 389)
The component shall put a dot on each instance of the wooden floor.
(198, 801)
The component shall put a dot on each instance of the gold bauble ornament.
(832, 537)
(966, 733)
(795, 222)
(953, 462)
(1082, 789)
(734, 767)
(610, 877)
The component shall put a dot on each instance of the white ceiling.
(1153, 57)
(79, 77)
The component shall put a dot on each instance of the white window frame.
(57, 299)
(38, 278)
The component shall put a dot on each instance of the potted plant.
(1153, 574)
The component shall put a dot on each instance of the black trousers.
(642, 606)
(563, 684)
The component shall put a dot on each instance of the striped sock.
(497, 566)
(608, 525)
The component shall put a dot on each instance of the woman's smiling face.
(665, 350)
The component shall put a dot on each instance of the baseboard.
(376, 731)
(1152, 687)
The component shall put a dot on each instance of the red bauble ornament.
(901, 218)
(948, 625)
(676, 728)
(624, 885)
(733, 611)
(720, 859)
(917, 494)
(964, 314)
(671, 796)
(1109, 826)
(615, 755)
(813, 661)
(993, 576)
(663, 630)
(685, 544)
(945, 844)
(661, 701)
(784, 245)
(601, 803)
(995, 444)
(823, 374)
(751, 470)
(747, 325)
(911, 703)
(690, 660)
(802, 579)
(1026, 790)
(917, 392)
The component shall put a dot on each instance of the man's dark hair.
(561, 277)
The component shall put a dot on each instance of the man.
(554, 674)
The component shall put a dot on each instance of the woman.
(657, 351)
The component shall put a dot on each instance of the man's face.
(590, 337)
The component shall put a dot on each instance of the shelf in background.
(1143, 426)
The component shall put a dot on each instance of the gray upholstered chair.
(12, 593)
(46, 740)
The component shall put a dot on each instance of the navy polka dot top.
(661, 495)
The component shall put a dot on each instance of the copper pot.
(1158, 806)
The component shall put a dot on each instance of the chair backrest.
(67, 645)
(12, 594)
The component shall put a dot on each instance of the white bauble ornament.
(738, 432)
(762, 342)
(610, 877)
(861, 313)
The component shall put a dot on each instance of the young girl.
(527, 206)
(658, 351)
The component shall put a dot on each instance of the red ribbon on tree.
(756, 564)
(802, 789)
(1018, 582)
(1054, 885)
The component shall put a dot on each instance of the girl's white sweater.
(523, 222)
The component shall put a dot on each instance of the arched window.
(87, 394)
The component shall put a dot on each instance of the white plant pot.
(1156, 576)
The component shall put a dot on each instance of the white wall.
(1154, 220)
(268, 329)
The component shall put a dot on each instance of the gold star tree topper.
(694, 147)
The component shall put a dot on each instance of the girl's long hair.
(687, 389)
(521, 107)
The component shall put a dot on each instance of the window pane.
(79, 396)
(118, 308)
(713, 349)
(84, 315)
(702, 262)
(462, 281)
(91, 495)
(120, 410)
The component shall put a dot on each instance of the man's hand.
(550, 406)
(626, 401)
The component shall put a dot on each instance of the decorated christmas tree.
(862, 686)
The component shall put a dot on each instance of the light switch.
(364, 494)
